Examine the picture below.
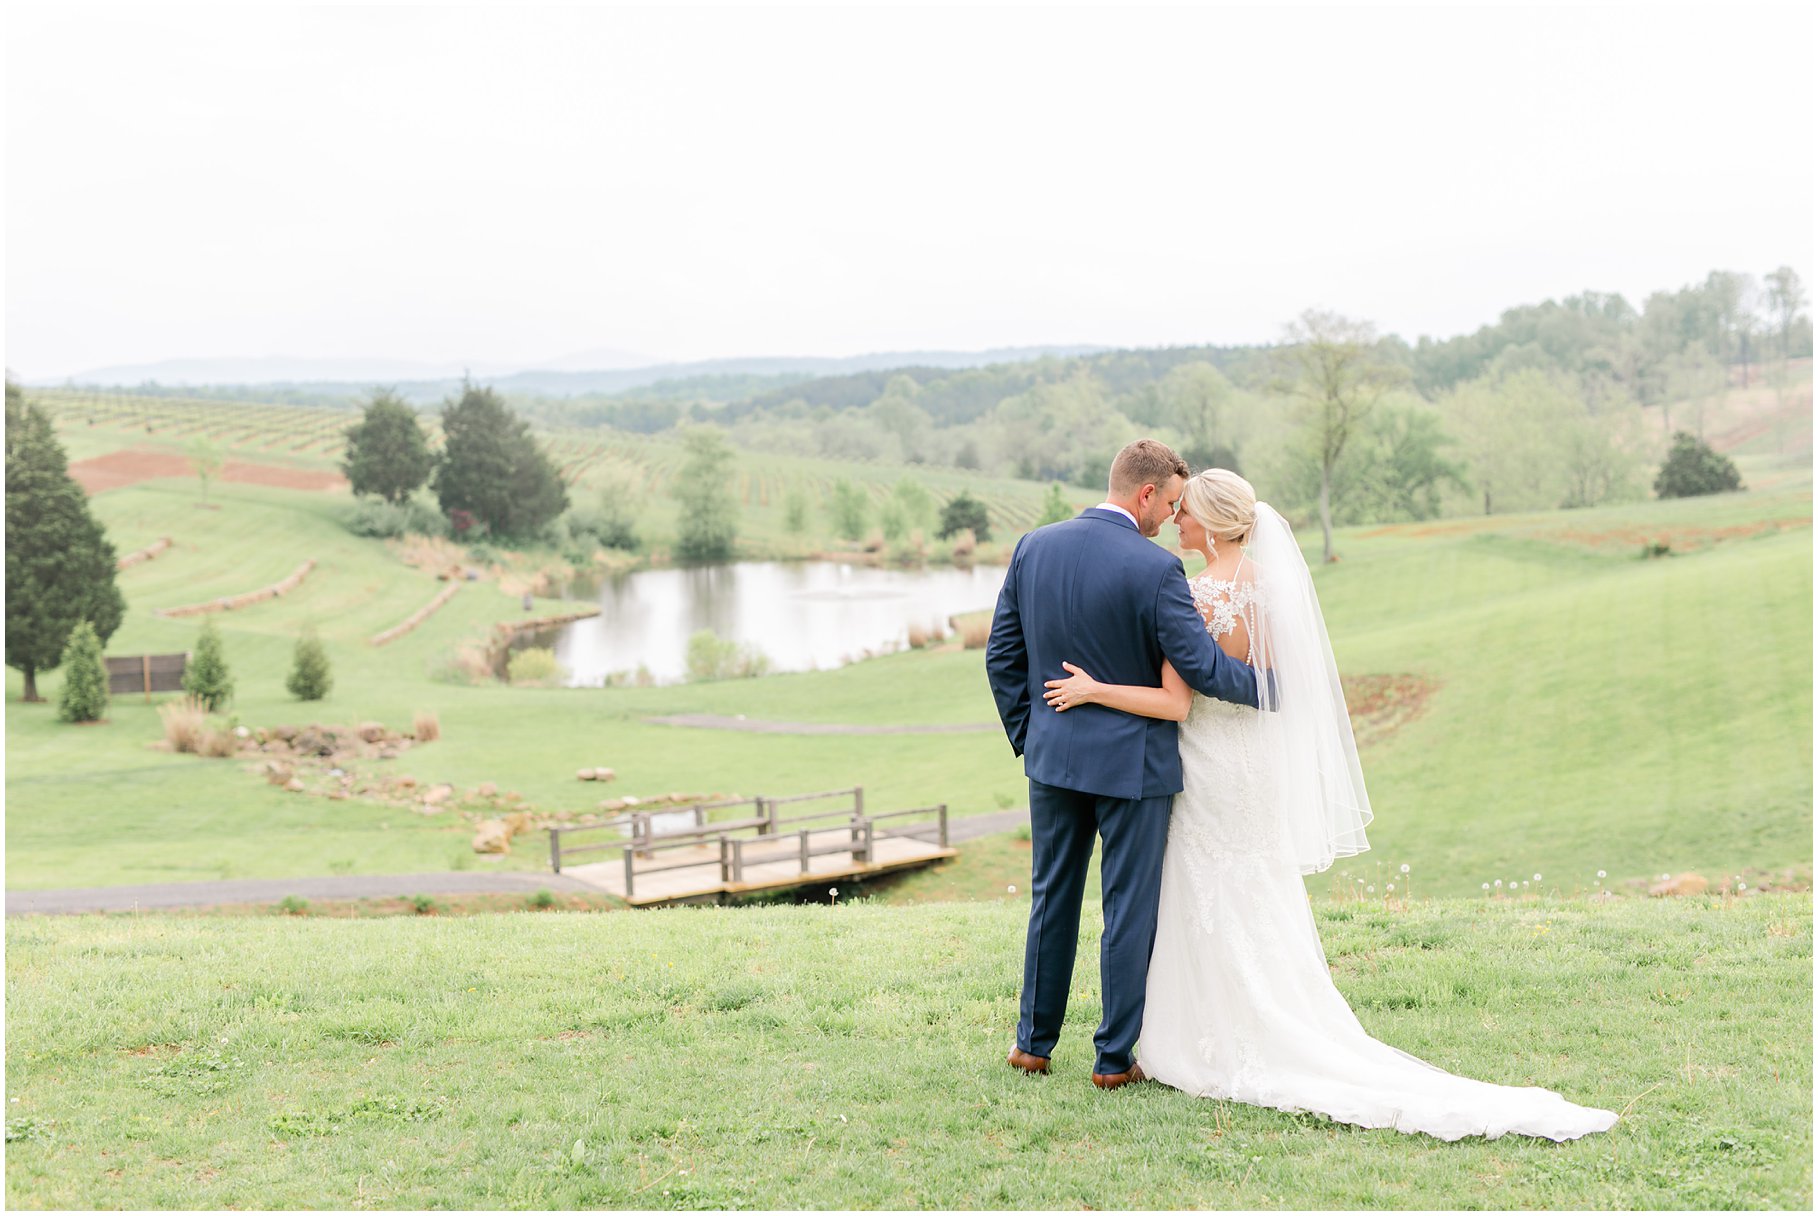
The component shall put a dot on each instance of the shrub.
(962, 512)
(1693, 467)
(795, 511)
(965, 544)
(428, 726)
(310, 678)
(184, 720)
(373, 517)
(543, 899)
(850, 506)
(207, 678)
(712, 658)
(1055, 507)
(84, 696)
(424, 905)
(294, 905)
(533, 665)
(218, 742)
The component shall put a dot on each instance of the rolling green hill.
(1538, 699)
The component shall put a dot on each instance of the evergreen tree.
(711, 522)
(1055, 506)
(84, 696)
(1693, 467)
(205, 676)
(310, 678)
(493, 469)
(387, 454)
(962, 512)
(59, 564)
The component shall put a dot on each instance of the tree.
(795, 510)
(1197, 400)
(205, 676)
(710, 524)
(1509, 428)
(1693, 467)
(1785, 297)
(493, 469)
(59, 564)
(1336, 375)
(1055, 506)
(84, 695)
(916, 506)
(310, 678)
(206, 458)
(850, 506)
(964, 512)
(387, 454)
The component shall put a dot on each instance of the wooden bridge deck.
(762, 872)
(653, 861)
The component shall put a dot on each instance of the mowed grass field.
(1554, 704)
(852, 1057)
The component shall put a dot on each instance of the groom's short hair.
(1145, 462)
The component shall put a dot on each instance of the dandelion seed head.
(1486, 886)
(1536, 878)
(1391, 886)
(1011, 888)
(1601, 874)
(1499, 882)
(1371, 888)
(1404, 867)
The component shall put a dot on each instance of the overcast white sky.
(511, 185)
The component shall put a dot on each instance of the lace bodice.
(1223, 602)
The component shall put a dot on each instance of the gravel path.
(758, 726)
(359, 886)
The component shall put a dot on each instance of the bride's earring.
(1211, 549)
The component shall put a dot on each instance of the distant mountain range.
(597, 371)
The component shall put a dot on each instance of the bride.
(1240, 1004)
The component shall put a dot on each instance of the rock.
(628, 800)
(286, 733)
(436, 795)
(277, 772)
(513, 796)
(371, 732)
(585, 774)
(604, 774)
(405, 781)
(486, 789)
(1680, 884)
(388, 753)
(294, 786)
(240, 732)
(314, 742)
(493, 837)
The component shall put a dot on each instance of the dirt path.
(131, 465)
(758, 726)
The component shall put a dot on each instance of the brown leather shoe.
(1028, 1063)
(1111, 1080)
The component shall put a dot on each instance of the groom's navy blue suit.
(1093, 591)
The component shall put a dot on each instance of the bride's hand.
(1077, 689)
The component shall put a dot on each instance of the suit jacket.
(1097, 593)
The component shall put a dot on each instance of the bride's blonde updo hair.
(1223, 503)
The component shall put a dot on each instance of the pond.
(800, 615)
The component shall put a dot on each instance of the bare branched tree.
(1334, 369)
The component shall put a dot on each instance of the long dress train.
(1240, 1004)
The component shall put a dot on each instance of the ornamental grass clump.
(185, 722)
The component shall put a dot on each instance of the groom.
(1095, 592)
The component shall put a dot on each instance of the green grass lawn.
(1589, 709)
(852, 1056)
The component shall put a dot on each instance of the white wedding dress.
(1240, 1004)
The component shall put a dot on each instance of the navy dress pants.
(1135, 832)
